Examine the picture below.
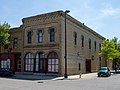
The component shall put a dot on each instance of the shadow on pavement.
(32, 77)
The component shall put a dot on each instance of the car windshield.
(103, 68)
(4, 69)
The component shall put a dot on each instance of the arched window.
(40, 36)
(95, 45)
(29, 62)
(75, 38)
(89, 43)
(29, 37)
(82, 38)
(52, 34)
(53, 62)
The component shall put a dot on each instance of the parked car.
(104, 71)
(117, 69)
(6, 72)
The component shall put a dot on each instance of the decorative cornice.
(42, 46)
(18, 29)
(42, 17)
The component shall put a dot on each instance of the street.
(94, 83)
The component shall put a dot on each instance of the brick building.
(38, 45)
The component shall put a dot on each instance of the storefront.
(12, 61)
(41, 64)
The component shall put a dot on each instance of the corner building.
(40, 45)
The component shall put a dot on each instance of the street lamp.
(65, 75)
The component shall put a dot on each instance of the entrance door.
(88, 65)
(40, 64)
(17, 62)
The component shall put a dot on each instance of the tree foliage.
(117, 46)
(109, 50)
(4, 33)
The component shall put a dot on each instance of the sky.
(103, 16)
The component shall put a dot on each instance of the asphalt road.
(94, 83)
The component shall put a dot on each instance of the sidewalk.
(86, 75)
(31, 76)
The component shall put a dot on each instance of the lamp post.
(65, 75)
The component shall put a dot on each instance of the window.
(99, 47)
(82, 38)
(15, 41)
(95, 45)
(53, 62)
(40, 36)
(39, 63)
(19, 64)
(89, 43)
(3, 64)
(52, 35)
(100, 61)
(75, 38)
(29, 37)
(29, 62)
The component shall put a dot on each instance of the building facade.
(38, 45)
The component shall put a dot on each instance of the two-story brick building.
(38, 45)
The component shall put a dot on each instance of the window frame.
(89, 43)
(40, 36)
(15, 42)
(82, 39)
(29, 37)
(52, 34)
(75, 38)
(95, 45)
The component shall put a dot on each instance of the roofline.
(61, 13)
(83, 25)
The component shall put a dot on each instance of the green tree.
(109, 51)
(116, 61)
(4, 33)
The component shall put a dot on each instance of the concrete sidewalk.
(35, 76)
(86, 75)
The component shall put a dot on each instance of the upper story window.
(82, 38)
(99, 47)
(29, 37)
(15, 42)
(89, 43)
(52, 34)
(95, 45)
(75, 38)
(40, 36)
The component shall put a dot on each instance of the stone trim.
(43, 45)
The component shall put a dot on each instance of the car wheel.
(98, 75)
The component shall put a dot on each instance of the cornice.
(42, 17)
(17, 29)
(41, 46)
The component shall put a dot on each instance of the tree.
(117, 46)
(4, 33)
(109, 51)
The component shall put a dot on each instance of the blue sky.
(103, 16)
